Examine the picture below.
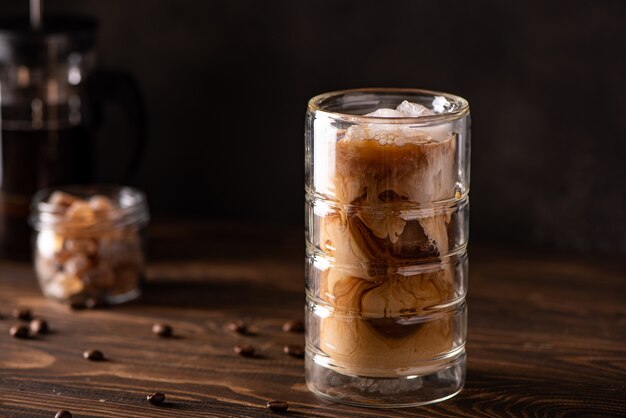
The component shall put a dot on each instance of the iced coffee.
(386, 228)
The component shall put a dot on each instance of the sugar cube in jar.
(89, 243)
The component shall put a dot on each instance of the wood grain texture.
(547, 336)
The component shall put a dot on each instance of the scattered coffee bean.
(237, 326)
(156, 398)
(295, 325)
(22, 313)
(63, 414)
(19, 331)
(277, 406)
(245, 350)
(294, 351)
(93, 355)
(162, 330)
(39, 326)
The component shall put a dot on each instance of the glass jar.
(387, 222)
(89, 243)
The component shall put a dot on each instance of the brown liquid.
(393, 327)
(375, 232)
(31, 160)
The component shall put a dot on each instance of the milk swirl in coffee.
(387, 270)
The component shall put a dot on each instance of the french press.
(51, 97)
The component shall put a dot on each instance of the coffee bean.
(245, 350)
(19, 331)
(295, 325)
(93, 355)
(39, 326)
(162, 330)
(22, 313)
(63, 414)
(156, 398)
(277, 406)
(237, 326)
(294, 350)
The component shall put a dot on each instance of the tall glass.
(387, 217)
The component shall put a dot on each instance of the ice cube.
(404, 110)
(440, 104)
(402, 134)
(386, 113)
(413, 109)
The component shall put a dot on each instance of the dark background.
(226, 85)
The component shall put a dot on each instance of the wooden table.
(547, 336)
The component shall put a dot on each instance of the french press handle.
(121, 89)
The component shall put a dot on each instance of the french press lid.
(42, 69)
(20, 43)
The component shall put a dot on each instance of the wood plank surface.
(547, 336)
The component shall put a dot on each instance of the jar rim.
(133, 208)
(319, 104)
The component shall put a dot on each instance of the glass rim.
(315, 105)
(44, 215)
